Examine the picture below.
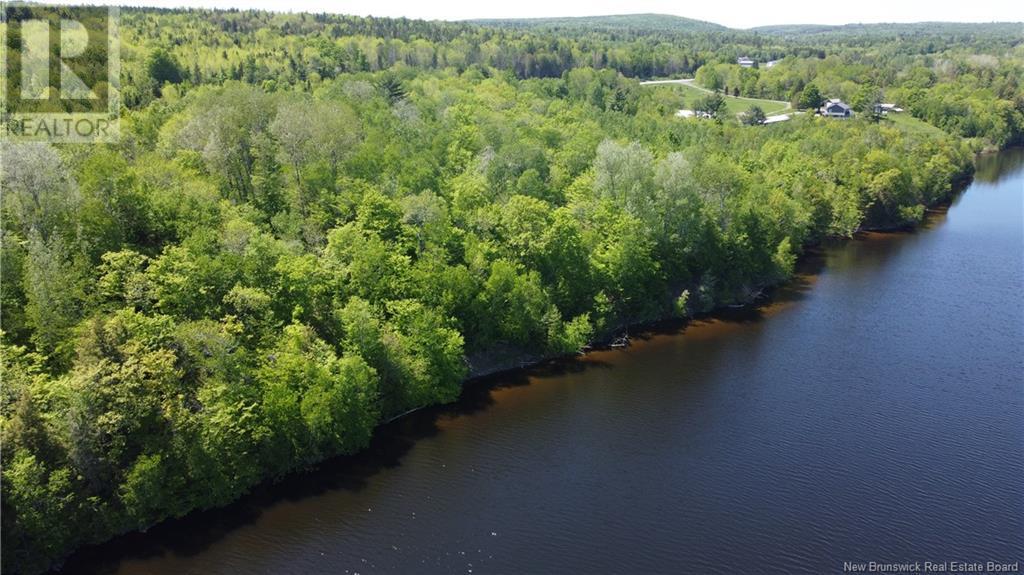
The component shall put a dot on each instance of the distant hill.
(890, 29)
(638, 24)
(614, 23)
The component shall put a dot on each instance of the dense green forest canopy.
(313, 223)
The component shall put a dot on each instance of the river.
(874, 411)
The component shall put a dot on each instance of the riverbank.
(505, 358)
(511, 359)
(780, 439)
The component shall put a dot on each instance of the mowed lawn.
(911, 124)
(733, 105)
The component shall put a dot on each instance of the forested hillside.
(952, 32)
(628, 23)
(314, 223)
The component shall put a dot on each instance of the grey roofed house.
(835, 108)
(745, 62)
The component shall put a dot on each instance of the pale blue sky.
(733, 13)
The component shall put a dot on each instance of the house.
(693, 114)
(886, 108)
(834, 108)
(745, 62)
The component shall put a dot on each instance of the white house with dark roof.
(835, 108)
(745, 62)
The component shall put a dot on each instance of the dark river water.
(873, 412)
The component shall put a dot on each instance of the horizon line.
(478, 20)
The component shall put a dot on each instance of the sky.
(732, 13)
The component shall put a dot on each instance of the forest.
(315, 223)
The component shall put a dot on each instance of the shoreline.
(520, 362)
(525, 360)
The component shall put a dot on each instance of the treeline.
(975, 69)
(280, 51)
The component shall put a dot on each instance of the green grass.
(733, 105)
(911, 125)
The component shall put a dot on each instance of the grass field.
(911, 124)
(691, 93)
